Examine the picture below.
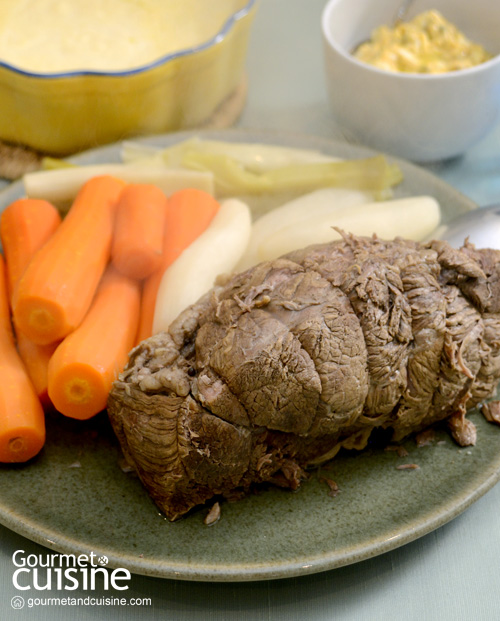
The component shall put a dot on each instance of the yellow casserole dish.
(65, 111)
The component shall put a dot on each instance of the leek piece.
(256, 157)
(61, 185)
(371, 174)
(54, 163)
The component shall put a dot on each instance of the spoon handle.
(401, 12)
(481, 226)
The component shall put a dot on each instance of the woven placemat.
(16, 160)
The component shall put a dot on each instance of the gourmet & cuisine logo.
(66, 572)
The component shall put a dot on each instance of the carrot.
(25, 225)
(36, 361)
(5, 317)
(85, 364)
(22, 421)
(138, 237)
(56, 290)
(189, 212)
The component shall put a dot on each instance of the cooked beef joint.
(277, 368)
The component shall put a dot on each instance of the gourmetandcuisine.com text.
(33, 602)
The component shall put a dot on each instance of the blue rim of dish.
(217, 38)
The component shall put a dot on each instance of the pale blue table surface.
(452, 574)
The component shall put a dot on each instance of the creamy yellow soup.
(105, 35)
(426, 44)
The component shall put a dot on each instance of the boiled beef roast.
(277, 368)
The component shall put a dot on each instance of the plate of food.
(223, 455)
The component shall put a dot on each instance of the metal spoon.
(481, 226)
(398, 17)
(400, 14)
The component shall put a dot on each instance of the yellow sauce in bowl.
(50, 36)
(426, 44)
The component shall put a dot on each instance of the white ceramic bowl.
(420, 117)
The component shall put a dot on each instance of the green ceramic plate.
(75, 498)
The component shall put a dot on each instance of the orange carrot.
(189, 212)
(36, 361)
(25, 225)
(22, 421)
(5, 317)
(139, 227)
(56, 290)
(88, 360)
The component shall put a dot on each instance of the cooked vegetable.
(216, 251)
(139, 228)
(22, 421)
(255, 169)
(254, 157)
(88, 360)
(55, 292)
(373, 174)
(36, 362)
(279, 367)
(325, 201)
(25, 225)
(51, 163)
(413, 218)
(189, 212)
(61, 185)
